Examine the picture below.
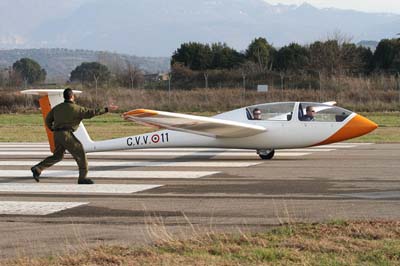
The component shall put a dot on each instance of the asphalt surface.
(188, 192)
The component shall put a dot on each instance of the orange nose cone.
(356, 127)
(361, 125)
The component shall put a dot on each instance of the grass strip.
(334, 243)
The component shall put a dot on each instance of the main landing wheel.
(266, 154)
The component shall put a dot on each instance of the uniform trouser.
(65, 140)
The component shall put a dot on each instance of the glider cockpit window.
(271, 112)
(322, 112)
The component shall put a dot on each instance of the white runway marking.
(374, 195)
(35, 208)
(42, 150)
(336, 146)
(168, 151)
(74, 188)
(24, 144)
(30, 148)
(306, 150)
(353, 143)
(111, 174)
(138, 164)
(144, 153)
(46, 144)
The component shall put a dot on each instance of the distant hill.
(158, 27)
(60, 62)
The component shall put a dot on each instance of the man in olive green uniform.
(63, 120)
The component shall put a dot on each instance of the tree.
(130, 76)
(90, 72)
(260, 52)
(325, 56)
(3, 78)
(355, 59)
(336, 57)
(224, 57)
(195, 56)
(387, 55)
(198, 56)
(293, 58)
(114, 62)
(29, 71)
(181, 72)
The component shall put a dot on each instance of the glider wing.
(206, 126)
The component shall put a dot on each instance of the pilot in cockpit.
(310, 113)
(256, 114)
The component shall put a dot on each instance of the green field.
(29, 127)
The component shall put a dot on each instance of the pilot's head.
(257, 114)
(310, 111)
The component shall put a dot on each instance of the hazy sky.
(391, 6)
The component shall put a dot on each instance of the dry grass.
(220, 100)
(334, 243)
(376, 93)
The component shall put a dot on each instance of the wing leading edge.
(206, 126)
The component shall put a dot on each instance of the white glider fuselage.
(281, 127)
(278, 135)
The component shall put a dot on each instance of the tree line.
(27, 71)
(291, 66)
(330, 57)
(196, 64)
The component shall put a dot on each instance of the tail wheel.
(266, 154)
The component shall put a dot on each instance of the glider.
(280, 127)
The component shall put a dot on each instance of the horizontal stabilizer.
(45, 92)
(330, 103)
(206, 126)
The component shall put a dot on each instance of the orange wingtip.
(141, 113)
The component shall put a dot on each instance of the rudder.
(50, 98)
(45, 108)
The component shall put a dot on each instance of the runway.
(138, 192)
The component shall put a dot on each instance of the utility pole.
(244, 88)
(398, 84)
(131, 78)
(10, 76)
(206, 79)
(320, 86)
(81, 80)
(95, 81)
(169, 88)
(282, 77)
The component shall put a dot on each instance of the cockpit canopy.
(271, 111)
(284, 111)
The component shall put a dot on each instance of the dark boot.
(85, 181)
(36, 173)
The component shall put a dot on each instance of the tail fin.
(49, 99)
